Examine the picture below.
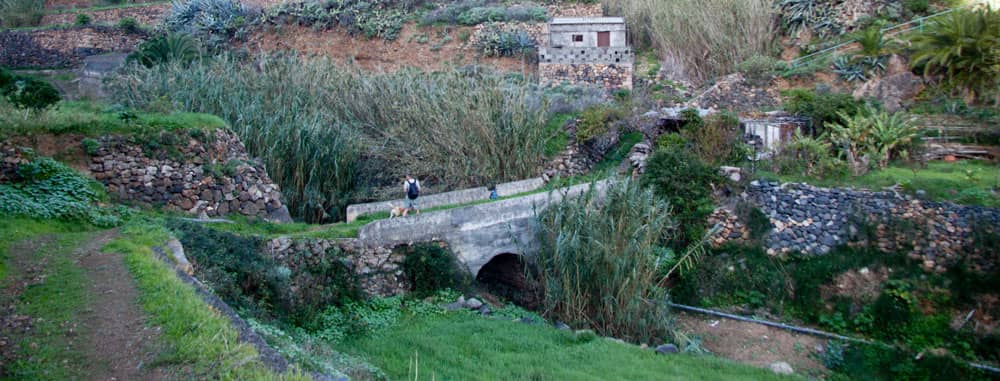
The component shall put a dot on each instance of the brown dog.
(396, 211)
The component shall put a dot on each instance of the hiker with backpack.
(411, 187)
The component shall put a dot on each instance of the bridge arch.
(506, 275)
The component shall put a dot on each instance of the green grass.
(16, 229)
(558, 138)
(614, 158)
(458, 346)
(964, 182)
(199, 336)
(47, 352)
(94, 119)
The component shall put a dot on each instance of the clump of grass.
(21, 13)
(601, 262)
(700, 39)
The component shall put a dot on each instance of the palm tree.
(964, 48)
(171, 47)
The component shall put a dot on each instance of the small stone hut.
(586, 50)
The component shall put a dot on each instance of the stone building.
(586, 50)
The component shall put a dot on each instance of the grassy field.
(964, 182)
(459, 346)
(94, 119)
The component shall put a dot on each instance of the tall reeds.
(327, 133)
(601, 262)
(698, 39)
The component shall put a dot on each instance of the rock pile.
(213, 178)
(814, 220)
(638, 155)
(63, 47)
(731, 229)
(733, 92)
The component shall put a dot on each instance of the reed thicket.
(699, 39)
(602, 261)
(328, 133)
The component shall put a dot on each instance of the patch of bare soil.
(121, 346)
(755, 344)
(25, 270)
(427, 48)
(66, 148)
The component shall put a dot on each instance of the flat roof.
(587, 20)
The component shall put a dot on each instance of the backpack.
(411, 190)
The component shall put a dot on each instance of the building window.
(577, 38)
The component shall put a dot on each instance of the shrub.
(754, 219)
(430, 268)
(916, 6)
(383, 20)
(600, 262)
(821, 107)
(26, 92)
(685, 182)
(595, 121)
(963, 48)
(166, 48)
(872, 133)
(214, 22)
(894, 309)
(806, 155)
(90, 146)
(479, 15)
(47, 189)
(714, 139)
(82, 19)
(700, 38)
(450, 12)
(760, 69)
(820, 17)
(307, 119)
(498, 41)
(129, 24)
(21, 13)
(242, 274)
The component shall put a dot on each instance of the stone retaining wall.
(212, 176)
(62, 47)
(814, 220)
(377, 268)
(144, 15)
(610, 76)
(446, 198)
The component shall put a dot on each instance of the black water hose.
(805, 330)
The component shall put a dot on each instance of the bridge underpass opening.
(504, 276)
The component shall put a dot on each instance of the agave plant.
(849, 70)
(964, 48)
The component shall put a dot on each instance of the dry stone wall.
(62, 47)
(144, 15)
(610, 76)
(210, 175)
(377, 269)
(814, 220)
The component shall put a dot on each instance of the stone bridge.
(477, 233)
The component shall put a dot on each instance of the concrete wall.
(570, 55)
(475, 233)
(446, 198)
(562, 34)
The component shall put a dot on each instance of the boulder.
(666, 349)
(473, 304)
(781, 367)
(891, 89)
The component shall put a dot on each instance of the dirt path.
(109, 338)
(120, 344)
(755, 344)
